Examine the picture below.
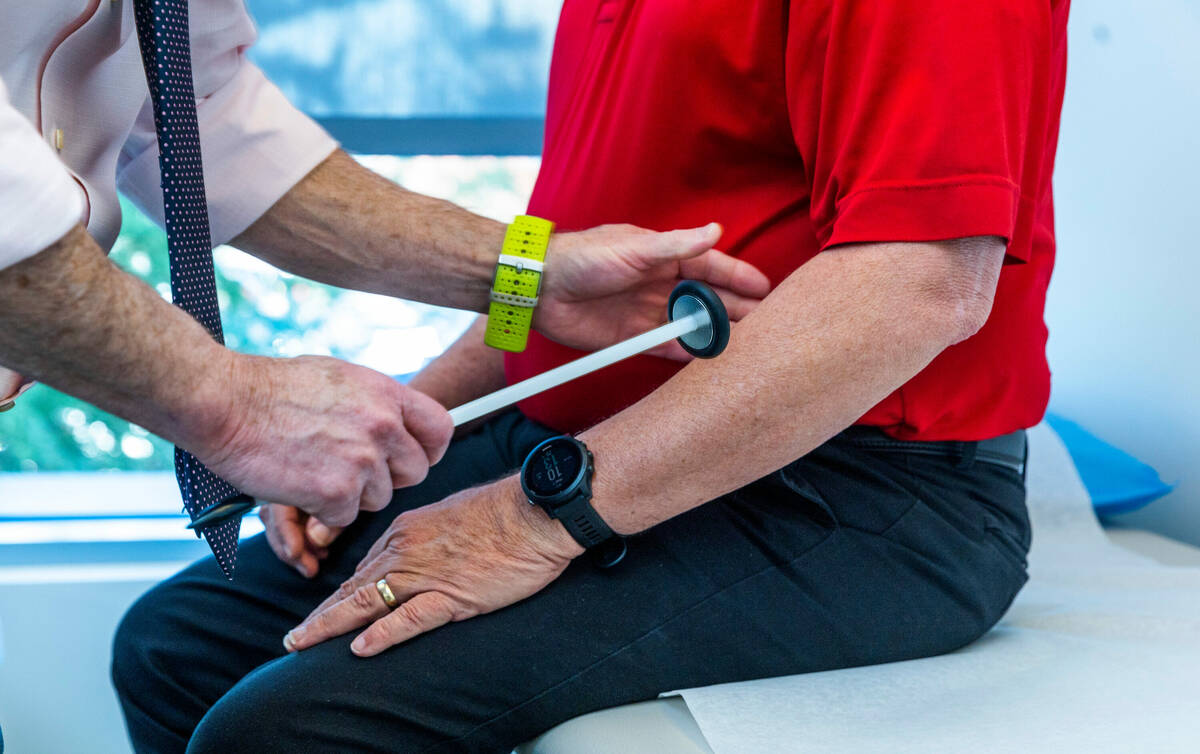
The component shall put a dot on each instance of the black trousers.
(849, 556)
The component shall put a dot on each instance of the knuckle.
(363, 598)
(336, 488)
(444, 609)
(409, 614)
(383, 426)
(365, 458)
(320, 622)
(394, 545)
(377, 633)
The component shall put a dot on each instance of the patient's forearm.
(350, 227)
(467, 370)
(834, 339)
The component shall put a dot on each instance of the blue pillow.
(1116, 481)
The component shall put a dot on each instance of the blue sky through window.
(404, 58)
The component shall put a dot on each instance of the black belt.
(1007, 451)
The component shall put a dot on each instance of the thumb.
(675, 245)
(319, 534)
(428, 422)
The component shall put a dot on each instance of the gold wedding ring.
(385, 591)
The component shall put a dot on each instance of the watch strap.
(517, 283)
(583, 522)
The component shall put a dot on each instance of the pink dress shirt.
(76, 126)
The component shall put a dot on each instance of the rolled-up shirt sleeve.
(255, 144)
(39, 201)
(914, 117)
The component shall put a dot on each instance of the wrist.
(613, 483)
(204, 420)
(558, 258)
(546, 535)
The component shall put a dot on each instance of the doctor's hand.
(322, 435)
(472, 553)
(612, 282)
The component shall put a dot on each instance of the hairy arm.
(326, 436)
(74, 320)
(348, 226)
(837, 336)
(834, 339)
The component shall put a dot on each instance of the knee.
(312, 702)
(134, 644)
(259, 714)
(227, 727)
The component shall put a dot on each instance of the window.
(445, 98)
(269, 312)
(404, 58)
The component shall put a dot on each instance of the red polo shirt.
(807, 124)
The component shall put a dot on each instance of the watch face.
(553, 468)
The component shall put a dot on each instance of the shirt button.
(6, 406)
(58, 139)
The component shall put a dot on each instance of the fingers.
(676, 245)
(345, 591)
(286, 537)
(428, 422)
(424, 612)
(358, 608)
(407, 461)
(736, 305)
(379, 488)
(319, 535)
(723, 271)
(411, 447)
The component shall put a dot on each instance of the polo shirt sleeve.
(912, 117)
(255, 144)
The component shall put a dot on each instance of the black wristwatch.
(557, 476)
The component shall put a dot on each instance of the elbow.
(965, 316)
(959, 293)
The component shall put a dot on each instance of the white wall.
(1124, 309)
(55, 696)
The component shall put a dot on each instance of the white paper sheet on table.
(1099, 653)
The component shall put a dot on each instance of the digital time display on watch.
(553, 468)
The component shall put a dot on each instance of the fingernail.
(289, 643)
(358, 645)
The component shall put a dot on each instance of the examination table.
(1100, 652)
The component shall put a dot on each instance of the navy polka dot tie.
(162, 28)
